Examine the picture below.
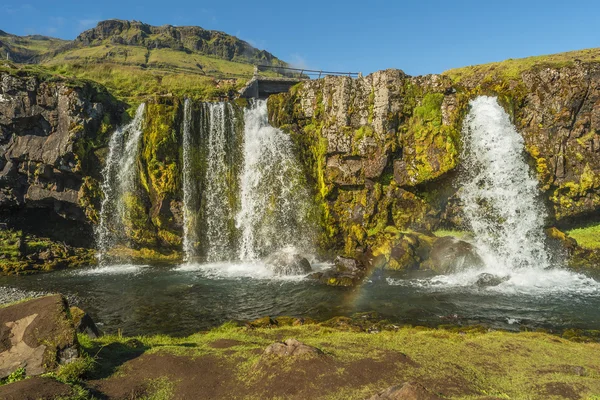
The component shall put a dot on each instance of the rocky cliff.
(52, 135)
(383, 150)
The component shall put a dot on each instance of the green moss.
(587, 237)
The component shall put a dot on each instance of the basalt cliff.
(380, 153)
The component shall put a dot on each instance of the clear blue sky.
(419, 37)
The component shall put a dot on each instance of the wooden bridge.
(268, 79)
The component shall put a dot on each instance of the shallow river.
(182, 300)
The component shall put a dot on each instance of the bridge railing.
(300, 73)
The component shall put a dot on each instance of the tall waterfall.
(499, 193)
(274, 199)
(244, 191)
(119, 176)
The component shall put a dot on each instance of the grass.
(587, 237)
(501, 364)
(513, 68)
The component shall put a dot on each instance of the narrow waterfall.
(219, 185)
(189, 186)
(499, 192)
(274, 199)
(119, 176)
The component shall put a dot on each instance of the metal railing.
(301, 73)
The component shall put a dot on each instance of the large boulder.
(449, 255)
(286, 262)
(36, 335)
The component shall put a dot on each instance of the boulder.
(285, 262)
(292, 348)
(449, 255)
(345, 272)
(36, 335)
(488, 280)
(406, 391)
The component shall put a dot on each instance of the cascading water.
(210, 184)
(119, 181)
(189, 219)
(501, 205)
(499, 194)
(218, 184)
(274, 201)
(244, 195)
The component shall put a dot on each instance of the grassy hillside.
(135, 60)
(25, 49)
(512, 68)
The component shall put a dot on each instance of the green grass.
(501, 364)
(587, 237)
(513, 68)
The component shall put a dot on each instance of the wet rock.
(406, 391)
(449, 255)
(292, 348)
(287, 263)
(345, 272)
(489, 280)
(36, 335)
(84, 323)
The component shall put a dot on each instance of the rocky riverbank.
(350, 358)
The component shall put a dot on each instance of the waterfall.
(219, 171)
(244, 192)
(210, 164)
(274, 199)
(189, 220)
(119, 176)
(499, 193)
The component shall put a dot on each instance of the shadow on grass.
(110, 357)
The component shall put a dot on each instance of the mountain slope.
(26, 49)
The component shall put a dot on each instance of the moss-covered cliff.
(383, 150)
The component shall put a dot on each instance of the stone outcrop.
(36, 335)
(406, 391)
(52, 132)
(382, 151)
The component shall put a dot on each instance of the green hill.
(135, 60)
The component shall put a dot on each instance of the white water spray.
(119, 181)
(189, 224)
(499, 194)
(501, 204)
(274, 200)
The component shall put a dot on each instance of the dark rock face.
(287, 263)
(50, 131)
(36, 335)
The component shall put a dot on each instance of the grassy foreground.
(228, 362)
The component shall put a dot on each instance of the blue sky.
(419, 37)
